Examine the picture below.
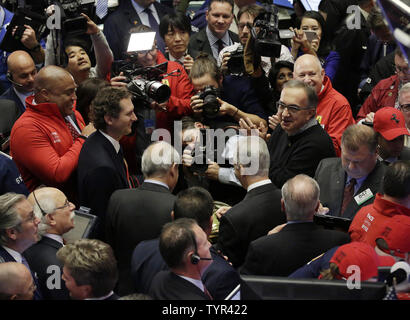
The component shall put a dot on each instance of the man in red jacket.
(46, 140)
(333, 110)
(385, 93)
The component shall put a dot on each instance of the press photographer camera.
(210, 107)
(72, 22)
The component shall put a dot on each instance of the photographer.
(229, 104)
(76, 51)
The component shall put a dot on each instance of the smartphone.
(310, 35)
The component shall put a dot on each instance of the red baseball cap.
(358, 254)
(396, 232)
(389, 122)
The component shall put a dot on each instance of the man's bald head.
(16, 282)
(22, 70)
(309, 70)
(48, 77)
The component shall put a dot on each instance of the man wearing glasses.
(18, 231)
(404, 106)
(385, 93)
(57, 218)
(299, 143)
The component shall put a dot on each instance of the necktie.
(207, 293)
(24, 261)
(348, 195)
(37, 293)
(102, 8)
(74, 133)
(154, 26)
(124, 165)
(220, 45)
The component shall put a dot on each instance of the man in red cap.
(390, 125)
(395, 200)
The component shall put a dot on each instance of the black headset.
(195, 258)
(10, 78)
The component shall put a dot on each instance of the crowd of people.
(295, 165)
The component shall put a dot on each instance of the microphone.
(13, 82)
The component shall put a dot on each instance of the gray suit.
(331, 178)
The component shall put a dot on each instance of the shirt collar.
(197, 283)
(213, 39)
(102, 298)
(55, 237)
(22, 96)
(309, 124)
(172, 58)
(157, 182)
(114, 142)
(258, 184)
(16, 255)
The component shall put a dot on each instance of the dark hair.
(274, 71)
(107, 102)
(195, 203)
(175, 20)
(75, 42)
(86, 92)
(396, 181)
(228, 1)
(310, 92)
(253, 10)
(205, 64)
(325, 46)
(175, 240)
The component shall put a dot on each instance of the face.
(244, 32)
(63, 94)
(291, 121)
(78, 60)
(309, 24)
(177, 41)
(206, 80)
(203, 246)
(359, 163)
(148, 58)
(308, 71)
(405, 100)
(28, 235)
(121, 126)
(63, 214)
(28, 287)
(402, 69)
(219, 18)
(24, 74)
(284, 75)
(391, 148)
(76, 292)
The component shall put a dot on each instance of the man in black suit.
(220, 278)
(57, 218)
(185, 248)
(21, 71)
(134, 215)
(128, 15)
(101, 165)
(18, 231)
(242, 224)
(299, 240)
(351, 181)
(216, 35)
(89, 270)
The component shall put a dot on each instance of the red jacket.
(333, 113)
(368, 220)
(179, 104)
(42, 146)
(384, 94)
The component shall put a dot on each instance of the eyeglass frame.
(151, 52)
(66, 204)
(292, 108)
(405, 107)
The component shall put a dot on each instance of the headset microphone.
(195, 258)
(8, 76)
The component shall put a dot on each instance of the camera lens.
(158, 91)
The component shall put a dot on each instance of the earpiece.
(195, 258)
(10, 78)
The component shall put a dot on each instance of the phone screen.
(310, 35)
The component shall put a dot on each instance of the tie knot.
(352, 181)
(147, 10)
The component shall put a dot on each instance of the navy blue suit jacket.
(220, 278)
(11, 95)
(7, 257)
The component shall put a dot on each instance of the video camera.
(73, 23)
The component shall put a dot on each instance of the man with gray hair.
(134, 215)
(16, 282)
(18, 230)
(56, 213)
(300, 240)
(404, 106)
(242, 223)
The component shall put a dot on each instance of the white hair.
(404, 88)
(158, 159)
(253, 154)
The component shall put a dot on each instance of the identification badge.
(364, 196)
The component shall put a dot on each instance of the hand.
(188, 63)
(276, 229)
(273, 121)
(221, 211)
(252, 129)
(92, 28)
(369, 117)
(89, 129)
(213, 171)
(28, 39)
(226, 108)
(322, 209)
(187, 158)
(225, 58)
(299, 40)
(159, 106)
(119, 81)
(196, 105)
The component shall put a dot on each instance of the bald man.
(46, 140)
(21, 71)
(333, 110)
(57, 218)
(16, 282)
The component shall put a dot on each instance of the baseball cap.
(358, 254)
(389, 122)
(395, 231)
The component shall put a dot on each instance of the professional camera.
(235, 62)
(210, 108)
(73, 23)
(143, 89)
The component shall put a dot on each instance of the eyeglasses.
(145, 52)
(293, 109)
(405, 107)
(243, 25)
(404, 70)
(31, 218)
(66, 204)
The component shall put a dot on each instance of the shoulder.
(329, 163)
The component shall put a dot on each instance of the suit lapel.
(51, 242)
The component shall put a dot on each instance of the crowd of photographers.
(154, 117)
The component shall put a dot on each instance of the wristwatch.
(36, 48)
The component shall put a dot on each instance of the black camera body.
(210, 108)
(73, 23)
(235, 62)
(144, 89)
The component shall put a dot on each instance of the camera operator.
(78, 61)
(224, 105)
